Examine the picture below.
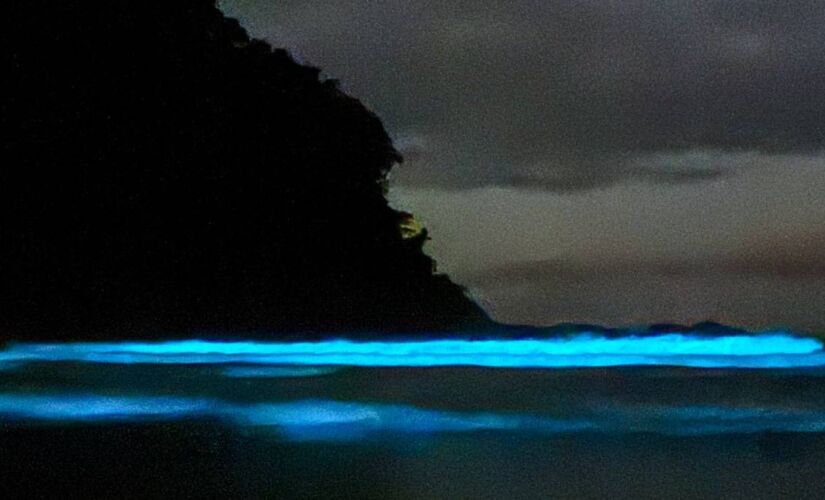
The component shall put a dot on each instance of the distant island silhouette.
(166, 175)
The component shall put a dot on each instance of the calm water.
(725, 418)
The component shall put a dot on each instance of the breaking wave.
(776, 350)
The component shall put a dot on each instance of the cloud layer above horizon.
(568, 95)
(608, 161)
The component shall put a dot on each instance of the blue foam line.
(327, 420)
(776, 350)
(278, 371)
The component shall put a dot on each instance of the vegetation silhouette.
(166, 175)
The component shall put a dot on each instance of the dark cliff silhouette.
(165, 175)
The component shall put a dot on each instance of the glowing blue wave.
(336, 420)
(777, 350)
(327, 420)
(94, 408)
(296, 420)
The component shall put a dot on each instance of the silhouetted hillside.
(163, 174)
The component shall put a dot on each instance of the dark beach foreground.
(456, 432)
(197, 459)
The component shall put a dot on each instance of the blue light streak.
(328, 420)
(776, 350)
(278, 371)
(100, 408)
(296, 420)
(312, 420)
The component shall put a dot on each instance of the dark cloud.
(569, 94)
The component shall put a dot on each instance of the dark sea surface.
(208, 427)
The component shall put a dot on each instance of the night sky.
(610, 161)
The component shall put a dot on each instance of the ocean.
(674, 416)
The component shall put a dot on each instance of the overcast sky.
(609, 161)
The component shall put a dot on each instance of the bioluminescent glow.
(93, 407)
(778, 350)
(7, 365)
(297, 420)
(327, 420)
(695, 420)
(336, 420)
(278, 371)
